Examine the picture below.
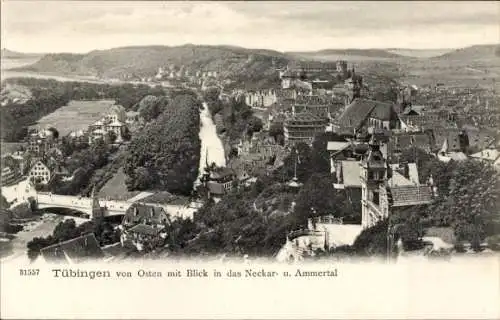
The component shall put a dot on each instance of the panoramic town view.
(240, 131)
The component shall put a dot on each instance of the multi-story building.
(39, 142)
(261, 98)
(303, 127)
(313, 104)
(384, 188)
(40, 173)
(44, 171)
(113, 121)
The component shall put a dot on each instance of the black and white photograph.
(287, 133)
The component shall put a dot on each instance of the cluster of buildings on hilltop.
(175, 73)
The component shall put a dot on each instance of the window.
(376, 198)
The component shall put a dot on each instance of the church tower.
(97, 210)
(374, 203)
(354, 85)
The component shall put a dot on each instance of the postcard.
(250, 160)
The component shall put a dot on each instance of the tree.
(317, 198)
(372, 241)
(169, 148)
(150, 107)
(472, 203)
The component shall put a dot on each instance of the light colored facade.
(40, 173)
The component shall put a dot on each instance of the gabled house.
(44, 171)
(40, 173)
(144, 227)
(139, 213)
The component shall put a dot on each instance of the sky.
(82, 26)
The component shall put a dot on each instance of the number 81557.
(29, 272)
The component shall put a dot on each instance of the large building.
(384, 188)
(313, 104)
(303, 127)
(363, 113)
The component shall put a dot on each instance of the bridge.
(85, 205)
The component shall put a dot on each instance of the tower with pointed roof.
(374, 195)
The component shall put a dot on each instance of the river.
(211, 144)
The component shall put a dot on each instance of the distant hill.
(473, 53)
(419, 53)
(142, 61)
(8, 54)
(348, 54)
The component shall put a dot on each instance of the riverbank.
(212, 148)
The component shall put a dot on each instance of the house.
(40, 141)
(303, 127)
(40, 173)
(144, 226)
(220, 181)
(139, 213)
(401, 140)
(77, 250)
(132, 117)
(363, 113)
(44, 171)
(144, 237)
(116, 113)
(101, 128)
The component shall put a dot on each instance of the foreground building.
(379, 196)
(144, 227)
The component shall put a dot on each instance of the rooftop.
(360, 109)
(77, 249)
(410, 195)
(305, 117)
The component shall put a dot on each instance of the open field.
(77, 115)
